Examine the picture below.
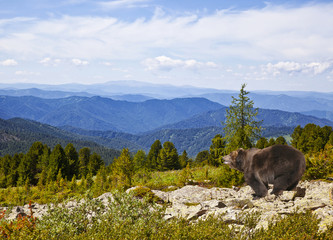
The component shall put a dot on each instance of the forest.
(42, 165)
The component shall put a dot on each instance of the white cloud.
(273, 33)
(26, 73)
(8, 62)
(295, 40)
(122, 3)
(296, 67)
(79, 62)
(49, 61)
(166, 64)
(107, 63)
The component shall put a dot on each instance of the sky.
(269, 45)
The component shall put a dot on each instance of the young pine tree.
(241, 127)
(217, 150)
(183, 159)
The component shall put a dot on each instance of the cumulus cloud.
(49, 61)
(271, 34)
(8, 62)
(166, 64)
(79, 62)
(296, 67)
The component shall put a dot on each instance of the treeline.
(312, 138)
(41, 165)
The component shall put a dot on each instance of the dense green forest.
(17, 135)
(45, 175)
(42, 164)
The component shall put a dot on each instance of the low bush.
(130, 218)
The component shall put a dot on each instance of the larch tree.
(123, 170)
(241, 128)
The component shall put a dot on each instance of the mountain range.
(133, 115)
(317, 104)
(98, 113)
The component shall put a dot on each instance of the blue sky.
(270, 45)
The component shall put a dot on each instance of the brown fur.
(280, 165)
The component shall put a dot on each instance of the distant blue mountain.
(97, 113)
(271, 118)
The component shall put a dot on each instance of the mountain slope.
(275, 118)
(97, 113)
(17, 135)
(299, 103)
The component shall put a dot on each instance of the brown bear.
(280, 165)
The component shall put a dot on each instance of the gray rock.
(195, 202)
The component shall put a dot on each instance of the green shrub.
(319, 165)
(296, 226)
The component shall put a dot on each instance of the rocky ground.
(195, 202)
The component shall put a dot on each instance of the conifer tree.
(271, 142)
(58, 162)
(152, 157)
(217, 150)
(140, 160)
(281, 140)
(73, 160)
(28, 165)
(123, 169)
(4, 170)
(183, 159)
(202, 157)
(13, 172)
(241, 127)
(262, 143)
(95, 163)
(168, 157)
(84, 156)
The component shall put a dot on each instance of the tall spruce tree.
(241, 128)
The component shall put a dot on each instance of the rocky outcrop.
(195, 202)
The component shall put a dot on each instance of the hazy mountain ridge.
(97, 113)
(270, 118)
(136, 120)
(283, 102)
(293, 101)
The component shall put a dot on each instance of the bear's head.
(235, 159)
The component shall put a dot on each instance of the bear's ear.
(240, 151)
